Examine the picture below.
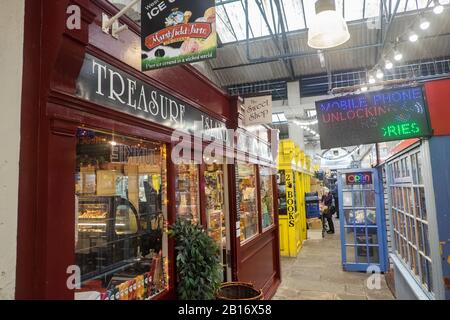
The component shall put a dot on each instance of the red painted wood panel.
(438, 99)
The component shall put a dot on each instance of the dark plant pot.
(238, 291)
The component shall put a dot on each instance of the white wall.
(11, 53)
(294, 106)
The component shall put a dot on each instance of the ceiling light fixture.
(364, 88)
(438, 7)
(380, 74)
(372, 80)
(388, 65)
(424, 23)
(398, 55)
(328, 29)
(413, 37)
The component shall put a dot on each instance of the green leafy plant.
(198, 261)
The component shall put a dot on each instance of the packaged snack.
(123, 289)
(131, 289)
(140, 287)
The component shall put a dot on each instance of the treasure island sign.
(378, 116)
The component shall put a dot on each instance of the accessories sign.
(177, 31)
(386, 115)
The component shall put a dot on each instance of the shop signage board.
(258, 110)
(106, 85)
(177, 31)
(361, 178)
(386, 115)
(290, 199)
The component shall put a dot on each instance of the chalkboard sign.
(378, 116)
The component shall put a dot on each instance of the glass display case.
(121, 209)
(248, 208)
(266, 187)
(187, 191)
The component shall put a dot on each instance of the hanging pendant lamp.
(328, 28)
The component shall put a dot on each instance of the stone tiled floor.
(316, 274)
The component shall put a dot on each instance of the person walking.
(329, 211)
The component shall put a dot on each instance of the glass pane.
(214, 196)
(294, 14)
(372, 235)
(419, 168)
(361, 237)
(248, 209)
(266, 187)
(414, 168)
(350, 254)
(358, 199)
(407, 203)
(426, 240)
(187, 191)
(349, 216)
(393, 199)
(362, 254)
(374, 255)
(371, 217)
(424, 269)
(413, 261)
(121, 206)
(420, 235)
(360, 216)
(429, 275)
(347, 199)
(349, 236)
(423, 209)
(369, 198)
(413, 231)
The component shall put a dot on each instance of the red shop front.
(98, 188)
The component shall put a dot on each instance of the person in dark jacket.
(329, 211)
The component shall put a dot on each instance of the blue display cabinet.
(362, 220)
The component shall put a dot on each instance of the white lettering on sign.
(258, 110)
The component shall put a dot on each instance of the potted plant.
(197, 260)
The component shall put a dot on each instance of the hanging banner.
(386, 115)
(258, 110)
(177, 31)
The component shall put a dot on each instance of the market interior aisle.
(316, 274)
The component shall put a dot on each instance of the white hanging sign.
(258, 110)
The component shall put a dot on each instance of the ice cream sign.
(177, 31)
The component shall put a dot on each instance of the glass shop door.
(217, 216)
(362, 221)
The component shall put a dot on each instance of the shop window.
(286, 192)
(266, 187)
(409, 212)
(248, 208)
(121, 209)
(187, 192)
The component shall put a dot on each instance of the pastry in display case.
(107, 234)
(121, 205)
